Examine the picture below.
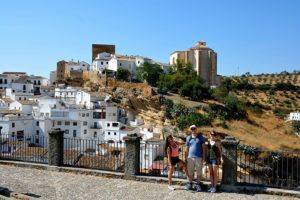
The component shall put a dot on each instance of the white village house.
(293, 116)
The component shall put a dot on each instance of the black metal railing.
(153, 162)
(267, 168)
(95, 154)
(24, 148)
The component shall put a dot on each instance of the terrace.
(242, 167)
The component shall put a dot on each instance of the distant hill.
(283, 77)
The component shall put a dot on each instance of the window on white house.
(13, 124)
(115, 124)
(37, 123)
(67, 123)
(58, 123)
(95, 134)
(108, 133)
(85, 123)
(74, 123)
(108, 124)
(66, 131)
(115, 133)
(87, 114)
(85, 132)
(74, 133)
(37, 132)
(83, 114)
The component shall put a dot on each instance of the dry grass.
(279, 99)
(267, 132)
(176, 98)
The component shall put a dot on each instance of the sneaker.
(171, 188)
(209, 189)
(189, 186)
(213, 190)
(198, 188)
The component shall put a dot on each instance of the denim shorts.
(212, 162)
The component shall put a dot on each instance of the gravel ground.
(58, 185)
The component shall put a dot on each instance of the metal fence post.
(132, 155)
(229, 165)
(56, 147)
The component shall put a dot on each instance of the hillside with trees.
(254, 113)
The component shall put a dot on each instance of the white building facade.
(294, 116)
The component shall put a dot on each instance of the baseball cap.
(193, 127)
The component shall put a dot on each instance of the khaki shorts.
(195, 164)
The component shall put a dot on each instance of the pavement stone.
(59, 185)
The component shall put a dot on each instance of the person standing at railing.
(172, 152)
(194, 157)
(213, 159)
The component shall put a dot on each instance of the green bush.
(184, 80)
(178, 110)
(255, 107)
(123, 74)
(244, 85)
(198, 119)
(264, 87)
(150, 73)
(272, 92)
(217, 111)
(296, 126)
(281, 112)
(285, 87)
(235, 107)
(195, 90)
(168, 107)
(219, 93)
(287, 102)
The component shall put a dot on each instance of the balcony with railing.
(95, 126)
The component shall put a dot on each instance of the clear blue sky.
(257, 36)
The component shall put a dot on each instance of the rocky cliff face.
(137, 98)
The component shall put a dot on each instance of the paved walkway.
(59, 185)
